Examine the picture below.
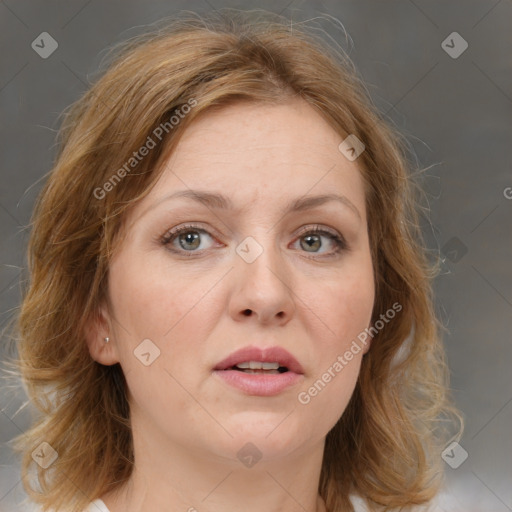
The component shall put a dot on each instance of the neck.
(185, 478)
(231, 494)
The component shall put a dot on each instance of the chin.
(267, 431)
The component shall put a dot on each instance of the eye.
(311, 240)
(188, 238)
(191, 239)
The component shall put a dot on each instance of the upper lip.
(264, 355)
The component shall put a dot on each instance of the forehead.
(292, 131)
(248, 151)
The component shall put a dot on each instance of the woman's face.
(246, 271)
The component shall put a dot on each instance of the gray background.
(455, 112)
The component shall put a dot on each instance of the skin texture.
(188, 424)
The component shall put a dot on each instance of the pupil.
(312, 241)
(192, 238)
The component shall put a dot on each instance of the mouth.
(257, 360)
(259, 368)
(260, 372)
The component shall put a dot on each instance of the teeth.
(260, 372)
(257, 365)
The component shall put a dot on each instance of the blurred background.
(440, 71)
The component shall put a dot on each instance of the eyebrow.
(221, 202)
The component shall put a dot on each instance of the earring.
(107, 339)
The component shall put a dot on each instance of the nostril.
(247, 312)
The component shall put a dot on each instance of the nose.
(262, 289)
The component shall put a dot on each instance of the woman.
(229, 302)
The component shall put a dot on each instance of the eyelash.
(339, 241)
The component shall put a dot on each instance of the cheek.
(172, 309)
(149, 301)
(326, 393)
(152, 304)
(345, 304)
(323, 401)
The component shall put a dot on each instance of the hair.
(386, 446)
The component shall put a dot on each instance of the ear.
(367, 345)
(366, 341)
(97, 328)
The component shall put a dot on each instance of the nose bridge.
(259, 255)
(263, 280)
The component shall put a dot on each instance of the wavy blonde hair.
(386, 446)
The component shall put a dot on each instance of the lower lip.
(259, 384)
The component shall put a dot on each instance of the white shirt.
(97, 506)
